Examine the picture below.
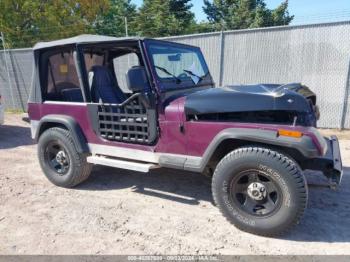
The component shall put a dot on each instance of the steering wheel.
(182, 75)
(66, 85)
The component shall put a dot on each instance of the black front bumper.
(335, 157)
(330, 164)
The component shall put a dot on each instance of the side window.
(62, 79)
(121, 65)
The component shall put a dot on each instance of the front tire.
(59, 159)
(260, 191)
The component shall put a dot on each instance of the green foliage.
(164, 18)
(25, 22)
(241, 14)
(112, 22)
(202, 27)
(280, 15)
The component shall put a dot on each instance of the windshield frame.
(170, 83)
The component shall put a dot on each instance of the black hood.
(262, 97)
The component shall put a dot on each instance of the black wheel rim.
(256, 193)
(57, 158)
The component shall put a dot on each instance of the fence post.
(7, 69)
(346, 98)
(221, 61)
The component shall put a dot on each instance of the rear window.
(62, 79)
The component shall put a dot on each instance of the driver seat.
(104, 87)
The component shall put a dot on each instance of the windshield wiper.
(178, 80)
(193, 74)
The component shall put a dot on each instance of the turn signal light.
(290, 133)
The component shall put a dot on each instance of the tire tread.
(290, 165)
(79, 158)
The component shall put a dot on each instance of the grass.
(14, 111)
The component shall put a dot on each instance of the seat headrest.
(136, 79)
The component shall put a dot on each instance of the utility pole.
(7, 69)
(126, 35)
(126, 26)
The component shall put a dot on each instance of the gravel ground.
(163, 212)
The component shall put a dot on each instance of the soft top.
(80, 39)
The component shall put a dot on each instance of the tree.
(112, 22)
(280, 15)
(25, 22)
(164, 18)
(202, 27)
(241, 14)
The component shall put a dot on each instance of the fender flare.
(303, 145)
(71, 124)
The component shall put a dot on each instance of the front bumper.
(330, 164)
(333, 154)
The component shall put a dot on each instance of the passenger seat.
(104, 87)
(72, 95)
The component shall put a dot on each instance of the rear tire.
(260, 191)
(60, 160)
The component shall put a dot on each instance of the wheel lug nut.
(257, 191)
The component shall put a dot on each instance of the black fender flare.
(70, 123)
(304, 145)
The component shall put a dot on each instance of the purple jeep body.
(256, 137)
(171, 141)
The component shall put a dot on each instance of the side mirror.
(136, 79)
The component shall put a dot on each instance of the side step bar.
(123, 164)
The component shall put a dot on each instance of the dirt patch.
(341, 134)
(163, 212)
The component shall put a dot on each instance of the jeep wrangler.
(140, 104)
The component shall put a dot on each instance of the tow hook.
(333, 185)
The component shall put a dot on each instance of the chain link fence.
(18, 65)
(315, 55)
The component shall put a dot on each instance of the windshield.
(183, 66)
